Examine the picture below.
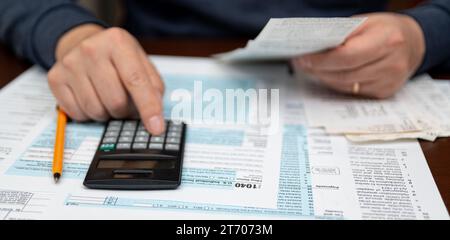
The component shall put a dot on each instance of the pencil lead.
(56, 176)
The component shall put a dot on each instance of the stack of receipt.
(420, 110)
(284, 38)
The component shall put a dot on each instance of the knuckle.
(117, 35)
(396, 39)
(53, 76)
(95, 112)
(118, 106)
(88, 49)
(135, 78)
(69, 61)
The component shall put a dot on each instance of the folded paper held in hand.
(284, 38)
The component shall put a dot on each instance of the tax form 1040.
(231, 171)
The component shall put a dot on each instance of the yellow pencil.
(58, 155)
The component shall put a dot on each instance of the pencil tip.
(56, 176)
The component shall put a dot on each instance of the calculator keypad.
(132, 135)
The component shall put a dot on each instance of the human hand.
(378, 57)
(102, 73)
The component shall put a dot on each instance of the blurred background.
(113, 12)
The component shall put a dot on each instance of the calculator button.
(142, 133)
(129, 126)
(141, 139)
(129, 129)
(113, 128)
(173, 140)
(175, 123)
(173, 134)
(112, 134)
(163, 135)
(174, 147)
(175, 129)
(155, 146)
(107, 147)
(157, 139)
(125, 139)
(139, 145)
(109, 140)
(127, 133)
(123, 146)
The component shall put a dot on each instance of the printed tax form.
(230, 171)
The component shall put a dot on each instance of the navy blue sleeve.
(33, 27)
(434, 19)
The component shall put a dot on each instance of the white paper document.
(284, 38)
(419, 110)
(230, 171)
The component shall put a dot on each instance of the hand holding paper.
(379, 57)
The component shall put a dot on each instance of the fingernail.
(156, 124)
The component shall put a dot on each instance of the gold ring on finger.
(356, 88)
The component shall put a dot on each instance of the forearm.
(434, 19)
(33, 27)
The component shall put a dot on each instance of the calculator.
(129, 157)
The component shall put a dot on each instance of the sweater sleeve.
(434, 19)
(33, 27)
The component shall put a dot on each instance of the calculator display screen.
(136, 164)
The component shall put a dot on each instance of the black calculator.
(129, 157)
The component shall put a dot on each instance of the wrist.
(417, 40)
(74, 36)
